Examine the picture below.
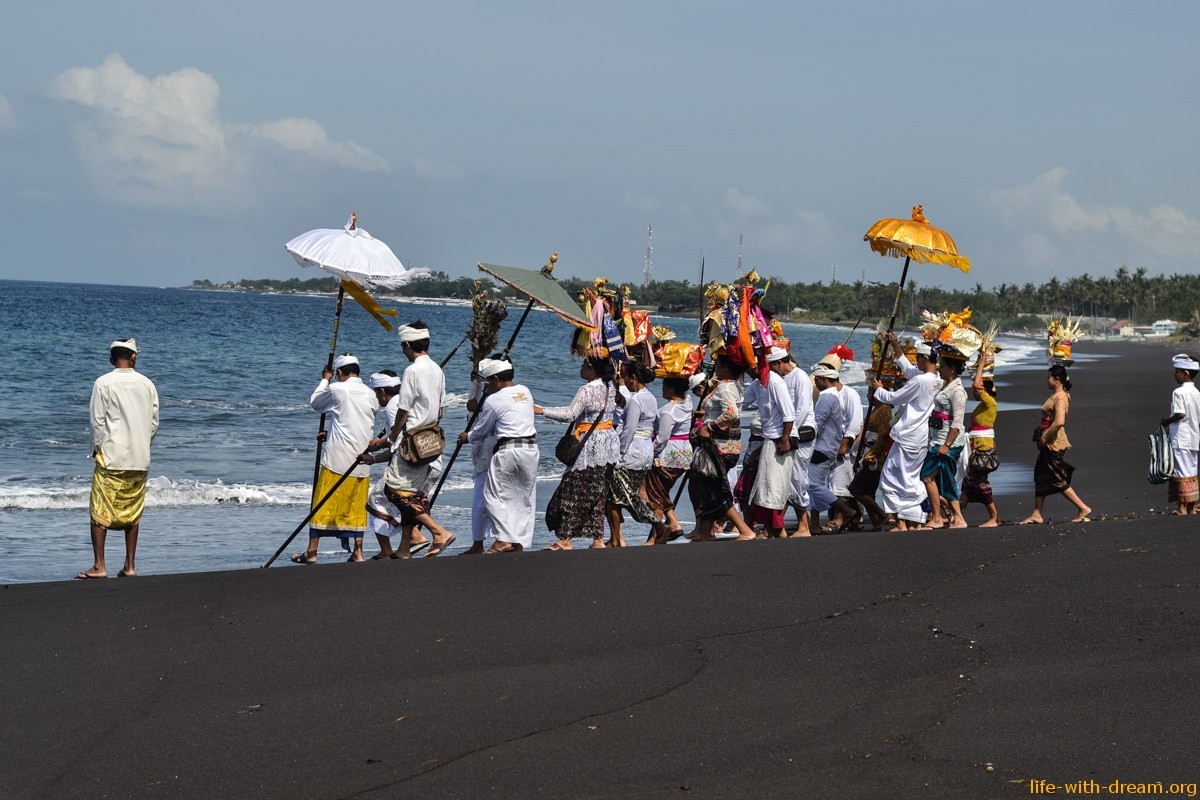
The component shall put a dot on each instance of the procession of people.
(914, 459)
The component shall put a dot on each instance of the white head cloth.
(923, 349)
(777, 354)
(409, 334)
(824, 371)
(381, 381)
(129, 344)
(1184, 361)
(489, 367)
(343, 360)
(696, 380)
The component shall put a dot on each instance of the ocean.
(233, 458)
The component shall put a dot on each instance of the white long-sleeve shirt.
(801, 387)
(506, 414)
(911, 404)
(351, 406)
(852, 411)
(422, 391)
(124, 419)
(637, 430)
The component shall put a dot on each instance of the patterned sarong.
(1183, 490)
(346, 511)
(118, 496)
(656, 489)
(623, 486)
(410, 504)
(576, 510)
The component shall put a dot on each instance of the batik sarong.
(623, 485)
(656, 488)
(576, 510)
(345, 512)
(118, 496)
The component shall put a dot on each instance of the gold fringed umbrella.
(916, 239)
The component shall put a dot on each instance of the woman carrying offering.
(672, 457)
(637, 453)
(946, 440)
(716, 448)
(982, 462)
(1051, 473)
(577, 508)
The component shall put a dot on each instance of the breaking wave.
(164, 492)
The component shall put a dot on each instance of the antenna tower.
(739, 266)
(649, 255)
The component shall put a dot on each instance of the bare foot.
(597, 544)
(1032, 519)
(991, 523)
(959, 522)
(560, 545)
(799, 534)
(127, 573)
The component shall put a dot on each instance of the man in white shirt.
(900, 485)
(351, 406)
(831, 432)
(422, 400)
(1183, 426)
(800, 387)
(124, 419)
(773, 484)
(511, 489)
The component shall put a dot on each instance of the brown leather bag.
(422, 444)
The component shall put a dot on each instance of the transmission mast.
(739, 266)
(649, 255)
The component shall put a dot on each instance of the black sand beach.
(925, 664)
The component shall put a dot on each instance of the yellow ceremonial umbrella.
(915, 239)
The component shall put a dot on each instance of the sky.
(152, 143)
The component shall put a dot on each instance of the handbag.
(805, 433)
(983, 462)
(422, 444)
(1162, 459)
(568, 448)
(705, 462)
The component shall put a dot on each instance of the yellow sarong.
(346, 510)
(118, 496)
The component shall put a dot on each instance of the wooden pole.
(337, 318)
(883, 354)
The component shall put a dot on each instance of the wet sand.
(865, 665)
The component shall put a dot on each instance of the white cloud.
(430, 170)
(744, 207)
(161, 142)
(8, 119)
(1061, 229)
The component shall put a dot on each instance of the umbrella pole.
(475, 414)
(337, 319)
(312, 513)
(883, 354)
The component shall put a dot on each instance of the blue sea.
(233, 459)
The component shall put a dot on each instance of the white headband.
(777, 354)
(824, 371)
(1184, 361)
(922, 349)
(410, 334)
(381, 381)
(489, 367)
(343, 360)
(696, 380)
(130, 345)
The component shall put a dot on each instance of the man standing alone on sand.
(1183, 427)
(124, 416)
(351, 405)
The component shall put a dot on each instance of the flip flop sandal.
(300, 558)
(440, 547)
(418, 547)
(503, 547)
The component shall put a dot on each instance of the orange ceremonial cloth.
(346, 510)
(118, 496)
